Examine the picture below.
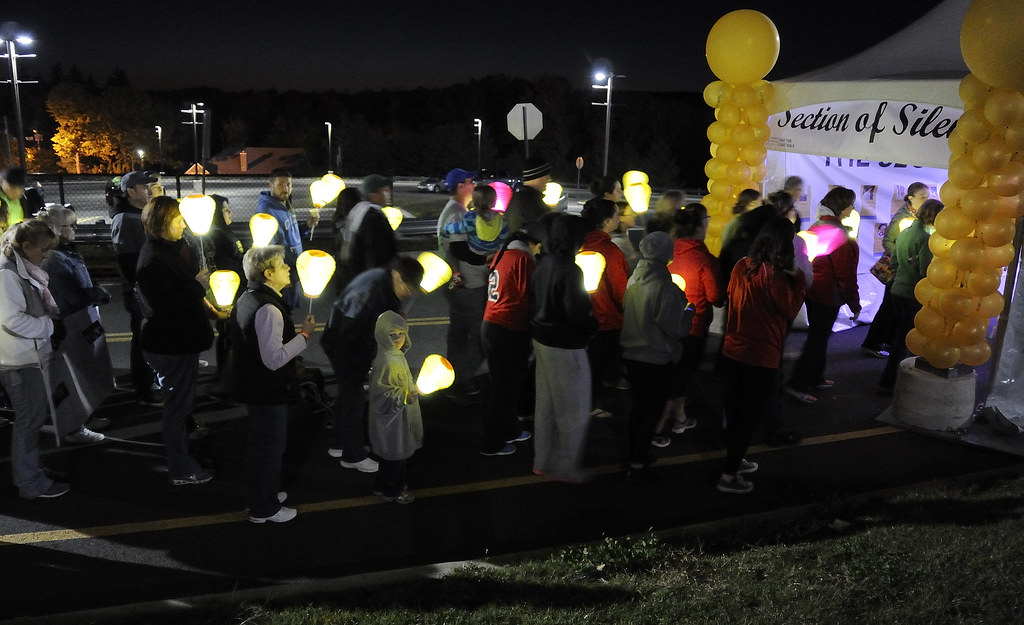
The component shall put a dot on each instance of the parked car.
(432, 185)
(487, 176)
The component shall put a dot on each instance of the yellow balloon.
(990, 155)
(996, 232)
(941, 273)
(978, 204)
(939, 245)
(758, 172)
(729, 115)
(718, 132)
(1008, 180)
(974, 91)
(949, 193)
(998, 256)
(941, 352)
(927, 293)
(967, 253)
(989, 306)
(715, 228)
(930, 322)
(743, 135)
(983, 281)
(753, 155)
(991, 42)
(715, 168)
(728, 152)
(953, 224)
(956, 303)
(721, 189)
(964, 174)
(762, 132)
(1004, 108)
(744, 96)
(1013, 137)
(969, 331)
(958, 146)
(973, 126)
(975, 355)
(765, 91)
(1011, 207)
(737, 173)
(742, 46)
(756, 114)
(916, 342)
(716, 93)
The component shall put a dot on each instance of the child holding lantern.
(396, 424)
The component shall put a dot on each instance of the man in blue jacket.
(276, 202)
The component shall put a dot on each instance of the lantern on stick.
(315, 269)
(323, 192)
(592, 264)
(436, 374)
(224, 284)
(552, 193)
(679, 281)
(263, 227)
(852, 223)
(504, 196)
(394, 216)
(198, 213)
(435, 271)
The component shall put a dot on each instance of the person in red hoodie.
(697, 266)
(602, 217)
(835, 283)
(765, 292)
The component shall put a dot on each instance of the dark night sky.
(350, 46)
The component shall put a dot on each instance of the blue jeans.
(349, 433)
(809, 370)
(177, 375)
(27, 393)
(267, 435)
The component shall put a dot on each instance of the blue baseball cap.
(456, 176)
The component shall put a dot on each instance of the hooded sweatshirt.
(560, 311)
(288, 233)
(396, 424)
(654, 322)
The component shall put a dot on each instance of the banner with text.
(886, 131)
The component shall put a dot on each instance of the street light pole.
(160, 146)
(330, 155)
(608, 77)
(9, 37)
(479, 125)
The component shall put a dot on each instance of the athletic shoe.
(366, 465)
(661, 441)
(98, 423)
(335, 452)
(600, 413)
(56, 489)
(825, 384)
(507, 450)
(201, 476)
(283, 515)
(746, 466)
(678, 427)
(800, 396)
(282, 496)
(403, 497)
(875, 353)
(201, 431)
(84, 436)
(736, 486)
(523, 436)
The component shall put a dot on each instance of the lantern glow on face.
(394, 216)
(263, 227)
(435, 374)
(435, 271)
(224, 284)
(315, 269)
(592, 264)
(198, 212)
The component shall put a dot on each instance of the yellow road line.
(124, 337)
(101, 531)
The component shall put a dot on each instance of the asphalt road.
(124, 536)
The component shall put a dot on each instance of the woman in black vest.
(266, 345)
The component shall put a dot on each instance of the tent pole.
(1004, 316)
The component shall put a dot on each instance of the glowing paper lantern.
(198, 212)
(315, 269)
(224, 284)
(552, 193)
(904, 224)
(592, 264)
(263, 228)
(822, 239)
(852, 221)
(679, 281)
(394, 216)
(324, 190)
(435, 374)
(634, 177)
(335, 183)
(638, 196)
(435, 271)
(504, 193)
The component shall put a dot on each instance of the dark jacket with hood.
(561, 314)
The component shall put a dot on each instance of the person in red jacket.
(765, 293)
(835, 283)
(505, 331)
(697, 266)
(603, 350)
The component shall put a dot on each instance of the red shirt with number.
(508, 295)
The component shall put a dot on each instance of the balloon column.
(742, 48)
(973, 235)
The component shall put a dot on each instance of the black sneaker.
(56, 489)
(736, 486)
(507, 450)
(199, 477)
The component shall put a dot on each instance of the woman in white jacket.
(26, 308)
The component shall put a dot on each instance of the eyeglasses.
(72, 226)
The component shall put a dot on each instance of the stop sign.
(525, 121)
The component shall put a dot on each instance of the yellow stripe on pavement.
(124, 337)
(29, 538)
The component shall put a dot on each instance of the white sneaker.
(83, 437)
(366, 465)
(334, 452)
(283, 515)
(281, 496)
(678, 427)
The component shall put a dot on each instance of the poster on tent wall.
(884, 130)
(880, 188)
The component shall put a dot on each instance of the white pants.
(562, 411)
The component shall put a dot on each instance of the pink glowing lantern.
(504, 193)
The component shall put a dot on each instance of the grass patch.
(937, 556)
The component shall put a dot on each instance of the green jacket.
(910, 259)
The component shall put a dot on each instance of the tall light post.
(479, 125)
(330, 154)
(195, 109)
(604, 73)
(159, 146)
(10, 36)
